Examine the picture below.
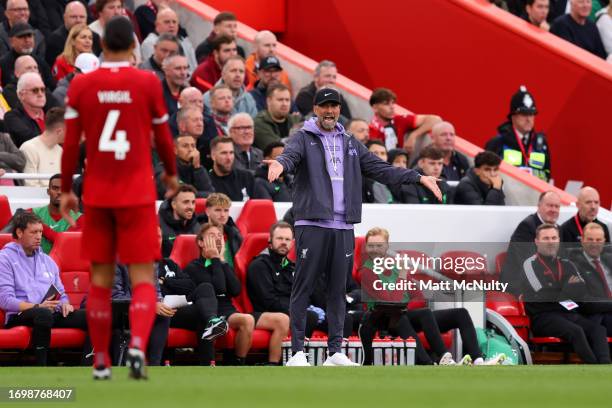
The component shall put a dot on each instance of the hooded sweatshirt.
(334, 151)
(26, 278)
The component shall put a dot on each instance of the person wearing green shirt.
(51, 217)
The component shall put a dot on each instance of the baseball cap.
(270, 62)
(326, 95)
(20, 29)
(523, 102)
(87, 62)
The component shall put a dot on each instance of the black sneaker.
(101, 373)
(217, 326)
(136, 363)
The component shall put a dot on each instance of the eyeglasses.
(242, 128)
(37, 91)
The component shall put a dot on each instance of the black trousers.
(459, 318)
(196, 316)
(588, 338)
(42, 320)
(403, 323)
(157, 341)
(328, 251)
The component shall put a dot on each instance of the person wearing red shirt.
(395, 130)
(116, 108)
(208, 72)
(80, 40)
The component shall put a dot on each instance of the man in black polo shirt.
(588, 207)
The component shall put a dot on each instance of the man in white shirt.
(43, 153)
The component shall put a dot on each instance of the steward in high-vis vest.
(516, 141)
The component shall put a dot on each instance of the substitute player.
(116, 108)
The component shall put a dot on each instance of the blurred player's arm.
(70, 157)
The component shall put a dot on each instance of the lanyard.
(520, 143)
(548, 271)
(577, 221)
(332, 154)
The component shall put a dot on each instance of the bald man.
(167, 21)
(265, 46)
(588, 207)
(456, 164)
(24, 64)
(522, 240)
(74, 13)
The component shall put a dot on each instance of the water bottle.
(378, 351)
(355, 350)
(286, 350)
(387, 351)
(410, 350)
(399, 352)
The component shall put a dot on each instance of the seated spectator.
(80, 40)
(576, 28)
(268, 73)
(246, 156)
(265, 46)
(359, 129)
(176, 217)
(18, 13)
(224, 24)
(522, 239)
(12, 159)
(190, 170)
(372, 190)
(431, 161)
(208, 72)
(53, 223)
(108, 9)
(167, 22)
(146, 13)
(398, 158)
(221, 108)
(324, 76)
(455, 163)
(387, 310)
(587, 204)
(236, 183)
(21, 41)
(395, 130)
(280, 190)
(483, 184)
(24, 289)
(23, 64)
(212, 268)
(28, 121)
(176, 74)
(84, 64)
(552, 285)
(604, 25)
(217, 214)
(595, 265)
(74, 13)
(43, 153)
(233, 76)
(189, 97)
(518, 143)
(536, 13)
(275, 123)
(166, 44)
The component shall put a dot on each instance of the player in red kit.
(116, 108)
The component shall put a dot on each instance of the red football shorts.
(129, 233)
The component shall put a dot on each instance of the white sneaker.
(447, 359)
(466, 360)
(298, 360)
(339, 359)
(497, 360)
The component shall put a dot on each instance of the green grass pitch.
(339, 387)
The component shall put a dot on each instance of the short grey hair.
(170, 58)
(233, 58)
(182, 113)
(232, 120)
(25, 78)
(323, 64)
(168, 37)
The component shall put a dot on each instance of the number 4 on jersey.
(120, 145)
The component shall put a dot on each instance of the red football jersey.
(116, 108)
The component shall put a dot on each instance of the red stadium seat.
(358, 257)
(256, 216)
(5, 239)
(5, 211)
(252, 246)
(184, 250)
(74, 267)
(510, 308)
(200, 206)
(16, 338)
(499, 263)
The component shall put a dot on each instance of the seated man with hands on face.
(482, 185)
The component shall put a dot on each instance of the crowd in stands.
(228, 113)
